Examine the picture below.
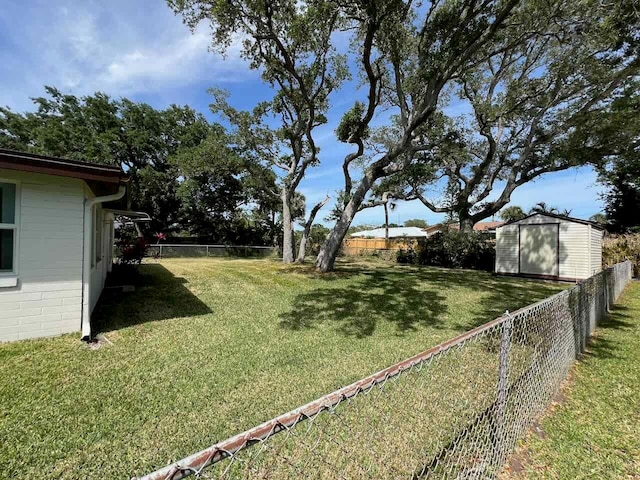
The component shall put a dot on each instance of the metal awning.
(130, 214)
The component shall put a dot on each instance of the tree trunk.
(466, 223)
(302, 249)
(329, 251)
(287, 229)
(386, 225)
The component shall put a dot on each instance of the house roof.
(478, 227)
(559, 217)
(484, 226)
(394, 232)
(30, 162)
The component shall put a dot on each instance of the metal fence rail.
(192, 250)
(453, 411)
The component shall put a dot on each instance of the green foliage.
(542, 207)
(615, 139)
(599, 218)
(541, 105)
(512, 213)
(186, 173)
(317, 236)
(618, 248)
(416, 222)
(351, 127)
(452, 249)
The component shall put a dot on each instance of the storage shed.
(549, 246)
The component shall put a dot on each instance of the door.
(539, 249)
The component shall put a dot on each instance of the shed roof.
(30, 162)
(394, 232)
(559, 217)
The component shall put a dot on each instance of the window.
(8, 227)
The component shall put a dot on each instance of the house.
(56, 242)
(394, 232)
(482, 227)
(374, 239)
(549, 246)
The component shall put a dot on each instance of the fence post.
(503, 387)
(207, 251)
(160, 251)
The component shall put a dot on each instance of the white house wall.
(48, 298)
(101, 266)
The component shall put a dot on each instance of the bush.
(619, 248)
(452, 249)
(132, 253)
(407, 255)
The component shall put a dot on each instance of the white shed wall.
(580, 247)
(535, 219)
(48, 298)
(574, 250)
(507, 249)
(596, 250)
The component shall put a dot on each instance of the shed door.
(539, 249)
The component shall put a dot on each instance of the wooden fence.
(356, 246)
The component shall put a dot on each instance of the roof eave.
(26, 162)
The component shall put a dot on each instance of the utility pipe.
(89, 203)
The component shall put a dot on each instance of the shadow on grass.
(158, 295)
(406, 296)
(599, 347)
(357, 306)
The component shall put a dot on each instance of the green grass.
(594, 432)
(206, 348)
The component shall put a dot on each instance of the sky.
(140, 50)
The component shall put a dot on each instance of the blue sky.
(140, 50)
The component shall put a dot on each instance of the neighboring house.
(56, 242)
(483, 227)
(374, 239)
(394, 232)
(549, 246)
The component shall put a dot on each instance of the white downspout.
(89, 203)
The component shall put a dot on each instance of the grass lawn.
(205, 348)
(594, 432)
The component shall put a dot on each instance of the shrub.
(452, 249)
(619, 248)
(407, 255)
(132, 254)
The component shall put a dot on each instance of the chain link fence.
(190, 250)
(454, 411)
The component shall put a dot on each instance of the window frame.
(15, 227)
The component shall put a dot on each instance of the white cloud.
(120, 47)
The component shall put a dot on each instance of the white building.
(56, 242)
(549, 246)
(394, 232)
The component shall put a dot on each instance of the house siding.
(100, 268)
(48, 298)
